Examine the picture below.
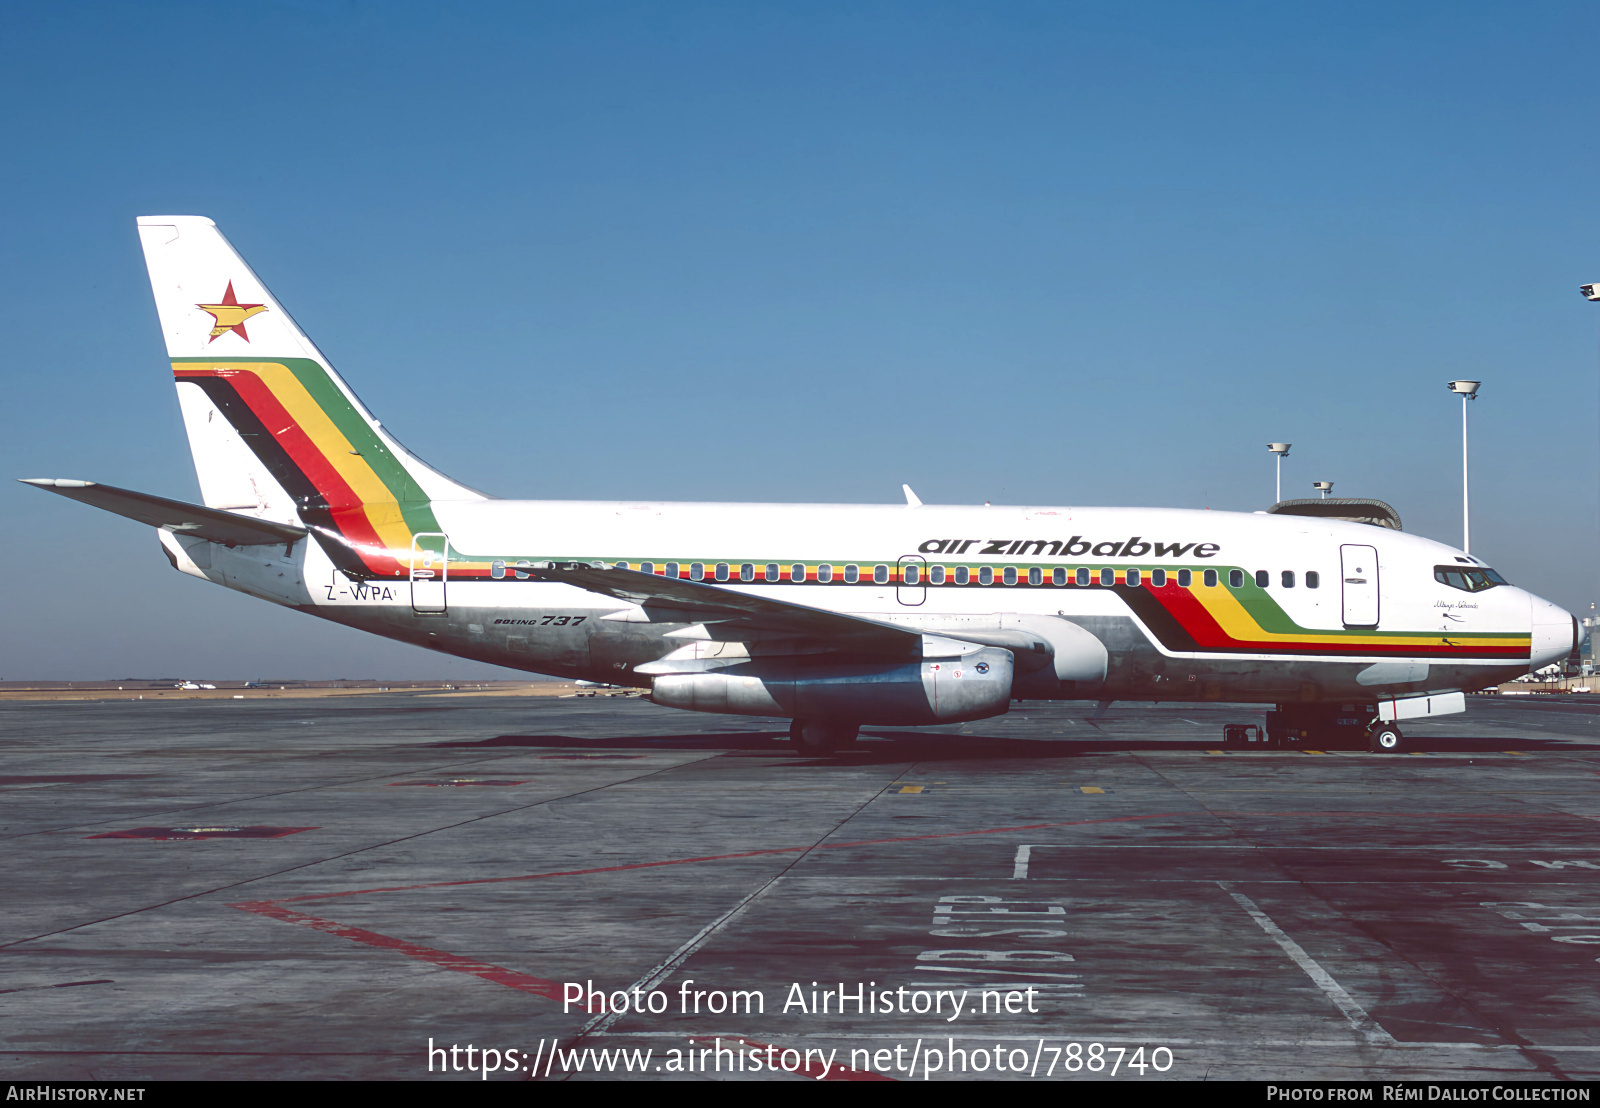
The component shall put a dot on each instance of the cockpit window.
(1468, 578)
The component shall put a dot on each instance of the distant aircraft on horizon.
(833, 616)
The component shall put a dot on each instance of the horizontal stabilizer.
(211, 524)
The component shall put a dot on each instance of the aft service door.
(430, 572)
(1358, 566)
(912, 588)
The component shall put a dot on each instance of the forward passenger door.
(1358, 580)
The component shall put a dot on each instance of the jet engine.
(952, 682)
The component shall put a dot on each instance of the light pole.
(1324, 487)
(1468, 390)
(1591, 293)
(1281, 449)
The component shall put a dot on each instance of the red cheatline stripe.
(310, 457)
(706, 858)
(1412, 815)
(1186, 606)
(816, 1070)
(511, 979)
(351, 518)
(1193, 616)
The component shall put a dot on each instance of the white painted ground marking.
(663, 969)
(1353, 1012)
(1019, 868)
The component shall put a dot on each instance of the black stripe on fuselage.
(311, 505)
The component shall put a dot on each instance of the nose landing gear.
(1384, 738)
(1347, 726)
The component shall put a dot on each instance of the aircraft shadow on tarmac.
(878, 746)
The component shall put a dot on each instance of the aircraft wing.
(211, 524)
(698, 602)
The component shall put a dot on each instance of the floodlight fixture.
(1324, 487)
(1281, 449)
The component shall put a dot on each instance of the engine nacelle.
(974, 682)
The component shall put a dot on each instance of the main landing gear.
(821, 736)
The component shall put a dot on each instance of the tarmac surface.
(322, 889)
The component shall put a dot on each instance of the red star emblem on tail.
(230, 315)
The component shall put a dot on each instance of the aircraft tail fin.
(274, 431)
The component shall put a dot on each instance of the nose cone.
(1555, 633)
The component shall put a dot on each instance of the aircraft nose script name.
(1075, 547)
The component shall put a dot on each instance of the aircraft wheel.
(1385, 738)
(817, 736)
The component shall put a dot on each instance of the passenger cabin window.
(910, 573)
(936, 575)
(852, 574)
(1010, 575)
(797, 572)
(1158, 578)
(747, 572)
(1263, 578)
(1288, 578)
(1134, 576)
(672, 569)
(722, 571)
(697, 571)
(1185, 578)
(1036, 576)
(1108, 577)
(963, 575)
(647, 567)
(880, 574)
(773, 572)
(1083, 577)
(1467, 578)
(497, 569)
(986, 575)
(1236, 578)
(1211, 578)
(1313, 579)
(1058, 576)
(825, 572)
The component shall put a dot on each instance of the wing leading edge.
(737, 614)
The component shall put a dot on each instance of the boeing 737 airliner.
(833, 616)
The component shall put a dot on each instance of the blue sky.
(1045, 253)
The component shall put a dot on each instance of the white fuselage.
(557, 628)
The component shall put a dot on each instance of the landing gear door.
(1358, 577)
(913, 580)
(430, 571)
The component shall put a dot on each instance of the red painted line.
(707, 858)
(511, 979)
(809, 1069)
(1418, 815)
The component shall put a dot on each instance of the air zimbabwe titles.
(1075, 547)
